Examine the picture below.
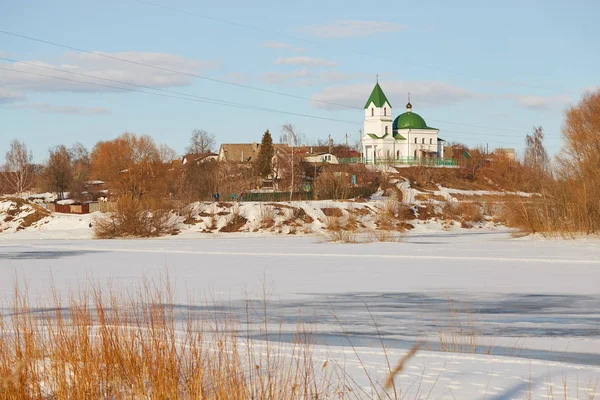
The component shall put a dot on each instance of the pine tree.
(265, 155)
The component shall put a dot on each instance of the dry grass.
(332, 212)
(112, 345)
(391, 217)
(20, 206)
(235, 221)
(136, 218)
(266, 216)
(467, 213)
(334, 223)
(343, 236)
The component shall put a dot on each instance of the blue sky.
(481, 72)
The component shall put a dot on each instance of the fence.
(410, 161)
(266, 196)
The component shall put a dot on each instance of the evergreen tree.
(265, 155)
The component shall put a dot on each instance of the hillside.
(408, 199)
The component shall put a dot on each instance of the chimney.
(310, 149)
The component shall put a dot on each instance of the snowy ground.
(534, 303)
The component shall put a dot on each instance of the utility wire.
(174, 70)
(373, 55)
(179, 95)
(222, 81)
(219, 102)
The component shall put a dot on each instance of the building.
(320, 158)
(246, 152)
(509, 153)
(408, 137)
(190, 159)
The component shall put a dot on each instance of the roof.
(377, 97)
(245, 152)
(196, 157)
(374, 136)
(410, 120)
(239, 152)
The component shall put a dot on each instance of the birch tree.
(17, 170)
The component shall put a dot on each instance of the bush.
(136, 218)
(266, 216)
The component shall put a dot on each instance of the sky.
(484, 73)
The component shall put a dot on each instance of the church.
(406, 139)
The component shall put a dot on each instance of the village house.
(245, 152)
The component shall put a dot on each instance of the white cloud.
(282, 77)
(349, 28)
(423, 94)
(305, 77)
(305, 61)
(282, 46)
(102, 67)
(540, 103)
(9, 95)
(58, 109)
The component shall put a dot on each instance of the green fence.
(265, 196)
(351, 193)
(444, 162)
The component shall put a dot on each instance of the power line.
(218, 102)
(210, 18)
(173, 70)
(221, 81)
(189, 97)
(179, 94)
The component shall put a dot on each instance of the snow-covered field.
(532, 304)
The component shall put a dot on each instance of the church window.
(430, 141)
(372, 112)
(415, 140)
(386, 130)
(397, 153)
(385, 112)
(423, 141)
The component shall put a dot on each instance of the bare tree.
(200, 142)
(81, 170)
(167, 154)
(289, 137)
(18, 171)
(59, 171)
(536, 156)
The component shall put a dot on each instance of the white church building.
(406, 139)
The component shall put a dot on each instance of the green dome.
(410, 120)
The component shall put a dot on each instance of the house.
(320, 158)
(408, 137)
(246, 152)
(188, 159)
(505, 152)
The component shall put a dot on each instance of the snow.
(534, 303)
(531, 297)
(66, 202)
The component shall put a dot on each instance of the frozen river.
(533, 298)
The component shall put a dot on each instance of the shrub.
(136, 218)
(266, 216)
(235, 221)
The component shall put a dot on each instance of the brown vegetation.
(569, 204)
(101, 345)
(34, 213)
(235, 221)
(133, 217)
